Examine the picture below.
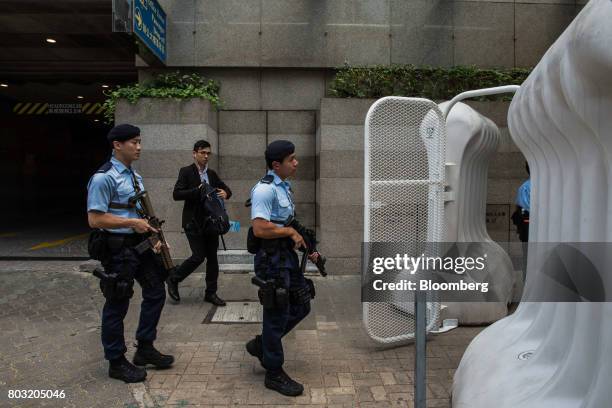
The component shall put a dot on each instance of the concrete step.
(234, 256)
(246, 268)
(235, 268)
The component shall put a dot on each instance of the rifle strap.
(128, 205)
(135, 182)
(137, 190)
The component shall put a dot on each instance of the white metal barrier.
(404, 197)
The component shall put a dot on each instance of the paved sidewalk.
(49, 319)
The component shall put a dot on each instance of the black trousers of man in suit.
(188, 189)
(203, 247)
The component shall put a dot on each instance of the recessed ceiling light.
(51, 41)
(96, 120)
(104, 86)
(4, 85)
(79, 97)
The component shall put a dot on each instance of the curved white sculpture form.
(472, 139)
(557, 354)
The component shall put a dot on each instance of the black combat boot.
(255, 348)
(173, 291)
(279, 381)
(147, 354)
(122, 369)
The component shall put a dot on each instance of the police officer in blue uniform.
(118, 232)
(520, 217)
(523, 197)
(286, 296)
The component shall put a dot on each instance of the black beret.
(124, 132)
(279, 149)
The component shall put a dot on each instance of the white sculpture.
(557, 354)
(472, 139)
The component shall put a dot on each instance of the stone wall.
(306, 33)
(169, 128)
(243, 137)
(340, 182)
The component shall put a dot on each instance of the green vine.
(170, 85)
(424, 82)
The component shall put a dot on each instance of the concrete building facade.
(275, 59)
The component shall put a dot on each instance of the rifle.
(310, 238)
(142, 203)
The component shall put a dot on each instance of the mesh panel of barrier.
(404, 148)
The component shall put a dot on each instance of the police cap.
(124, 132)
(279, 149)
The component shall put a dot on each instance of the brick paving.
(49, 319)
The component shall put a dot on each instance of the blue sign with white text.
(149, 21)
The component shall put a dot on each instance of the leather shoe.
(147, 354)
(255, 348)
(214, 299)
(121, 369)
(173, 291)
(280, 382)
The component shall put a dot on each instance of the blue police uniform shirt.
(115, 185)
(273, 201)
(523, 196)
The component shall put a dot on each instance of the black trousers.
(203, 247)
(283, 265)
(148, 274)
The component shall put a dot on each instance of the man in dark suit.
(187, 188)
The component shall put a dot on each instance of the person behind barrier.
(117, 242)
(188, 187)
(283, 290)
(520, 217)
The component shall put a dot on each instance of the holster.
(271, 294)
(281, 297)
(114, 287)
(120, 265)
(266, 297)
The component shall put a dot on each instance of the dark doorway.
(46, 162)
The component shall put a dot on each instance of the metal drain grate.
(236, 312)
